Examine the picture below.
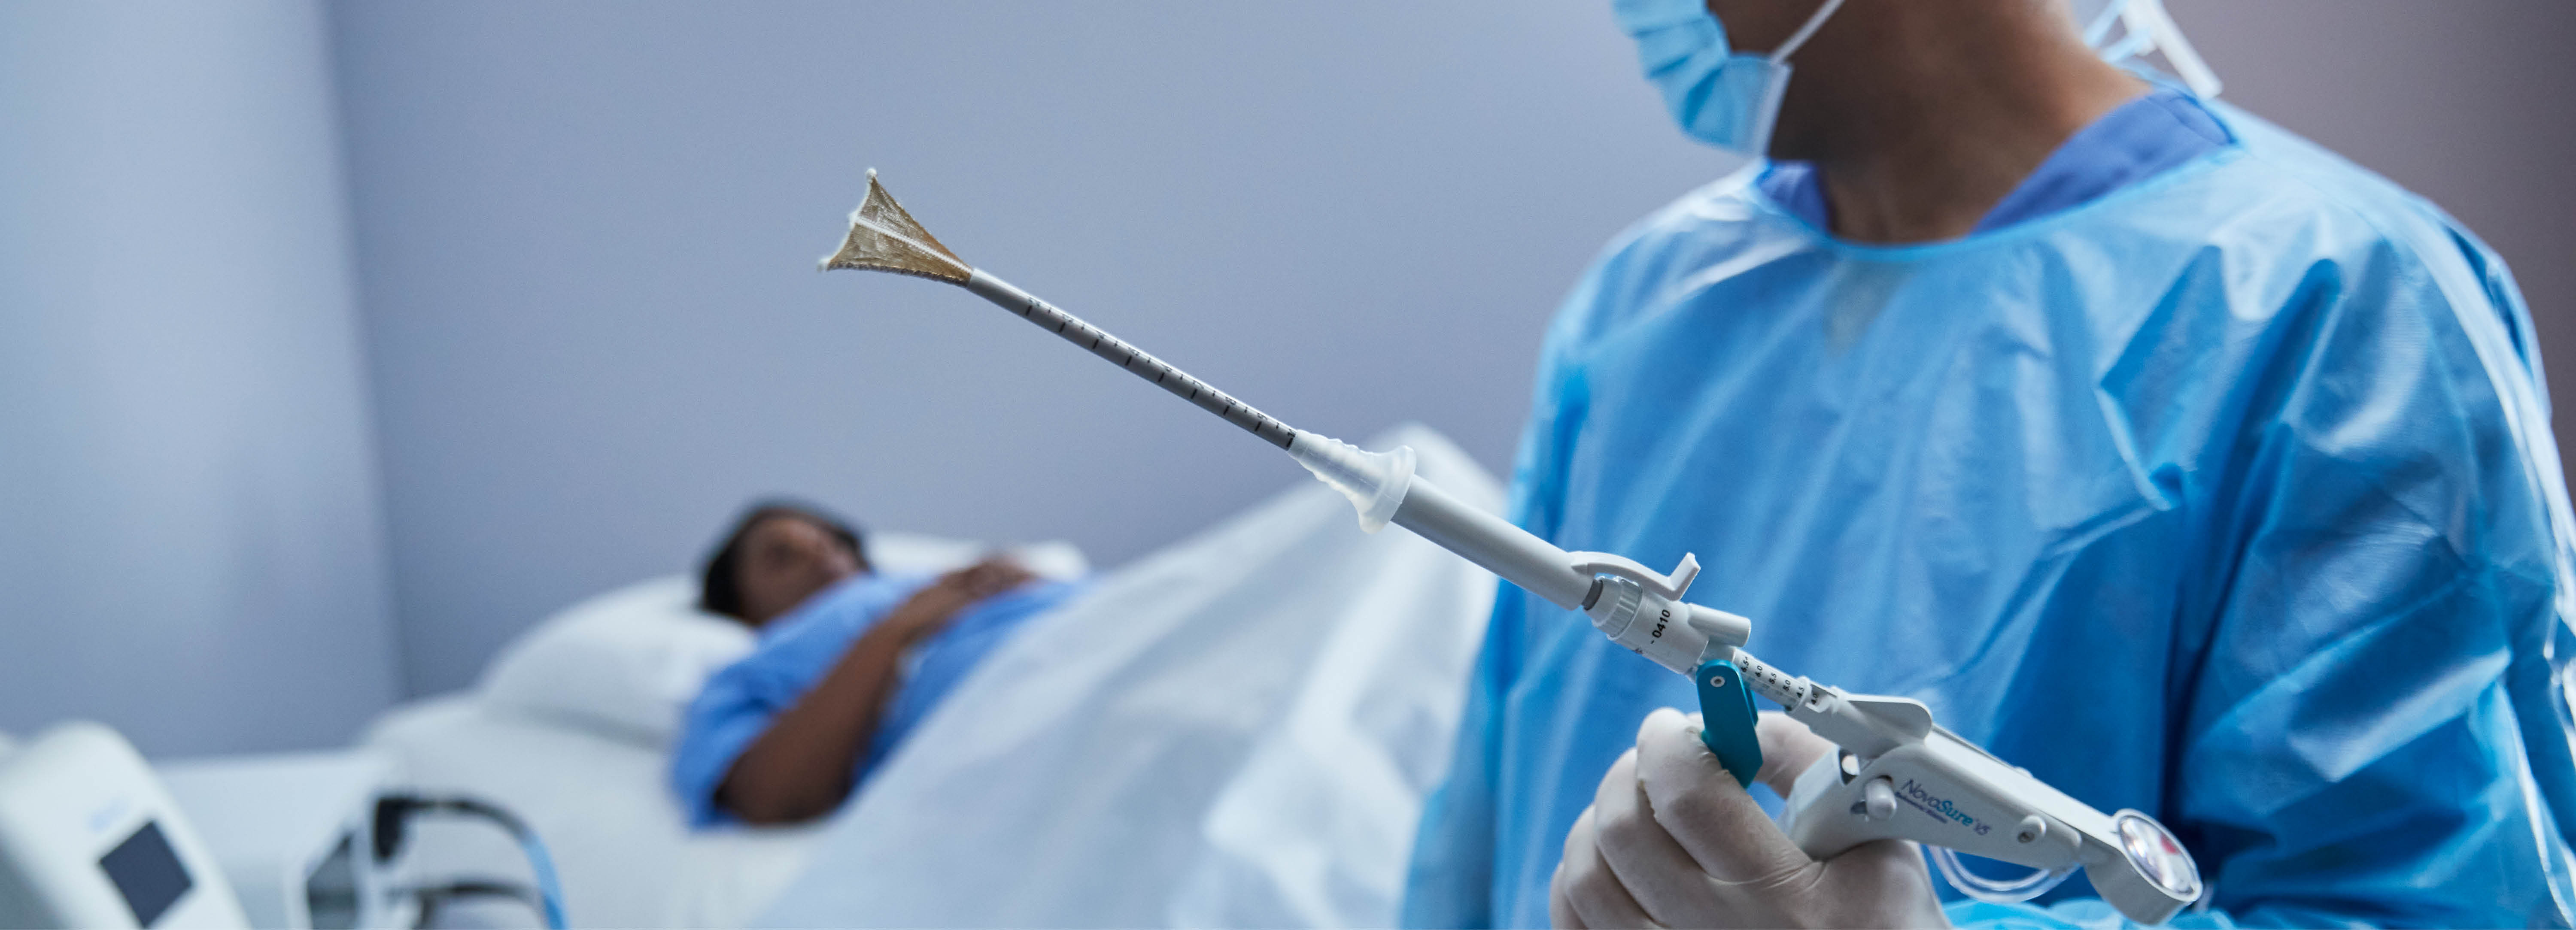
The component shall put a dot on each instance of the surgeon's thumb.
(1705, 810)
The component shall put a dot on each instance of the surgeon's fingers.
(1889, 864)
(1560, 911)
(1706, 812)
(1899, 886)
(1788, 748)
(1655, 872)
(1587, 882)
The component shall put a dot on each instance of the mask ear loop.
(2146, 27)
(2149, 17)
(2100, 28)
(1805, 32)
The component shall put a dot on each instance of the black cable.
(393, 819)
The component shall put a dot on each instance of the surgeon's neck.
(1920, 117)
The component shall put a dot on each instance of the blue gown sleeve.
(2377, 555)
(2351, 753)
(729, 713)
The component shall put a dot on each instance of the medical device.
(92, 836)
(311, 841)
(89, 838)
(392, 819)
(291, 832)
(1898, 776)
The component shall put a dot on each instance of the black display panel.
(147, 872)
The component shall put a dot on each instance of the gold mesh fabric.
(884, 238)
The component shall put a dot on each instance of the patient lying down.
(849, 660)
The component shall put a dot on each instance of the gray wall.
(190, 548)
(585, 234)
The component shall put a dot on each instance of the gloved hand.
(1672, 841)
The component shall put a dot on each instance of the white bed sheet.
(1237, 730)
(570, 728)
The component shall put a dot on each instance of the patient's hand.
(930, 609)
(802, 766)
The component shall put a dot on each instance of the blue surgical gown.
(2228, 495)
(799, 648)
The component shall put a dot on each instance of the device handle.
(1726, 716)
(1668, 586)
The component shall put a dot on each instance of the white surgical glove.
(1672, 841)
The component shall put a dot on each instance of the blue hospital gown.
(2227, 495)
(798, 649)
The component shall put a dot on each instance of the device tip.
(883, 237)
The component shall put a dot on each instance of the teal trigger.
(1726, 714)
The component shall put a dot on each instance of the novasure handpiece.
(1898, 776)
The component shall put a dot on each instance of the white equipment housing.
(294, 834)
(89, 838)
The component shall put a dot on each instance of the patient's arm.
(802, 766)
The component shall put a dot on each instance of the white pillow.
(627, 663)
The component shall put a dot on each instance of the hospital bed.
(1236, 730)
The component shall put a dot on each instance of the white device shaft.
(1494, 543)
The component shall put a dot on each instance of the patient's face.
(786, 560)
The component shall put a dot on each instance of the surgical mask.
(1725, 99)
